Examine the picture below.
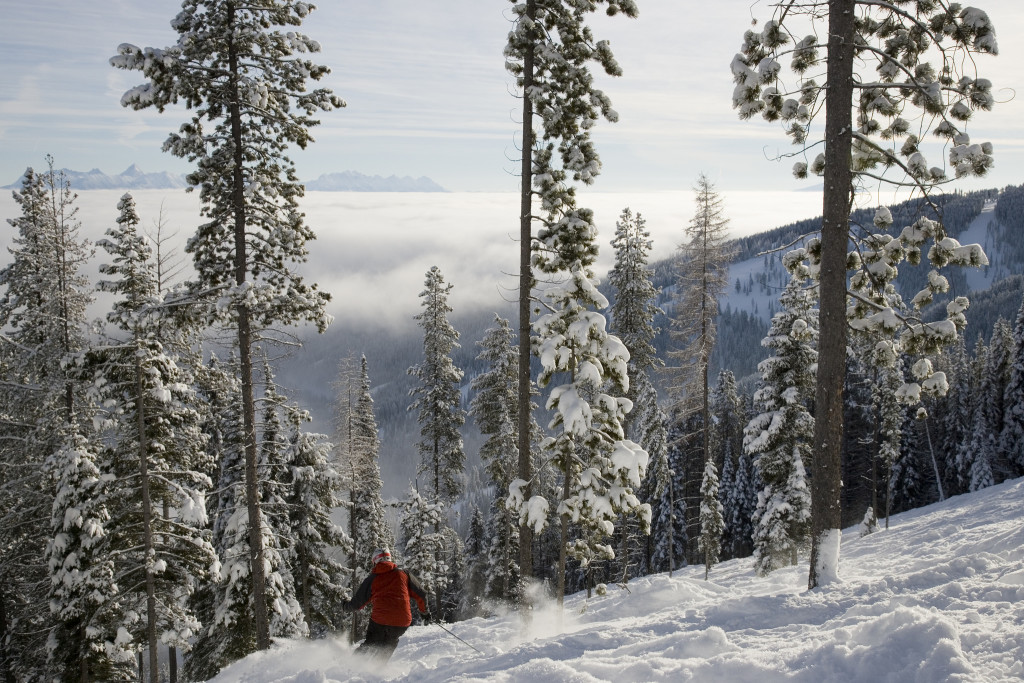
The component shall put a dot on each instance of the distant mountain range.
(134, 178)
(353, 181)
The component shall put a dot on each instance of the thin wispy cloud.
(428, 93)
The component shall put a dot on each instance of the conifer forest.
(167, 508)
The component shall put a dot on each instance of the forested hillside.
(750, 301)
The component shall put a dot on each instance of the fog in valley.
(372, 252)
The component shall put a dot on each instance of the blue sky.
(428, 94)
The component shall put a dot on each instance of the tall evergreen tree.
(956, 426)
(668, 526)
(241, 69)
(779, 437)
(728, 422)
(889, 419)
(495, 411)
(89, 640)
(437, 398)
(633, 312)
(423, 544)
(711, 521)
(979, 454)
(157, 496)
(474, 581)
(601, 469)
(548, 51)
(357, 448)
(42, 321)
(313, 496)
(746, 487)
(278, 520)
(993, 387)
(876, 125)
(223, 607)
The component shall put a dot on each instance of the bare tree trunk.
(147, 524)
(525, 291)
(671, 522)
(826, 517)
(261, 623)
(5, 655)
(935, 466)
(172, 652)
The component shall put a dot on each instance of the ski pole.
(457, 638)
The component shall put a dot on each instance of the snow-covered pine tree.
(437, 397)
(779, 436)
(967, 449)
(632, 314)
(876, 125)
(357, 448)
(910, 471)
(727, 425)
(711, 521)
(600, 468)
(242, 70)
(43, 319)
(702, 276)
(860, 464)
(993, 387)
(889, 418)
(276, 470)
(978, 456)
(223, 607)
(89, 640)
(423, 546)
(155, 449)
(956, 426)
(549, 50)
(474, 581)
(453, 595)
(1011, 444)
(495, 410)
(668, 527)
(746, 486)
(314, 493)
(655, 426)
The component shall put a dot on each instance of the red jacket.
(389, 589)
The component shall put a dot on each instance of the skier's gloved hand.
(425, 617)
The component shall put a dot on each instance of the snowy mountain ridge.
(132, 178)
(936, 597)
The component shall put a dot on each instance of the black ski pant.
(381, 640)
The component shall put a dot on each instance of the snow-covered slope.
(939, 596)
(977, 233)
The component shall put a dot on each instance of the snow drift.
(939, 596)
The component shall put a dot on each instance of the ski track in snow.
(939, 596)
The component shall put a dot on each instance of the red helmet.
(382, 555)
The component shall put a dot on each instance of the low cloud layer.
(374, 249)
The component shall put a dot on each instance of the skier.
(389, 589)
